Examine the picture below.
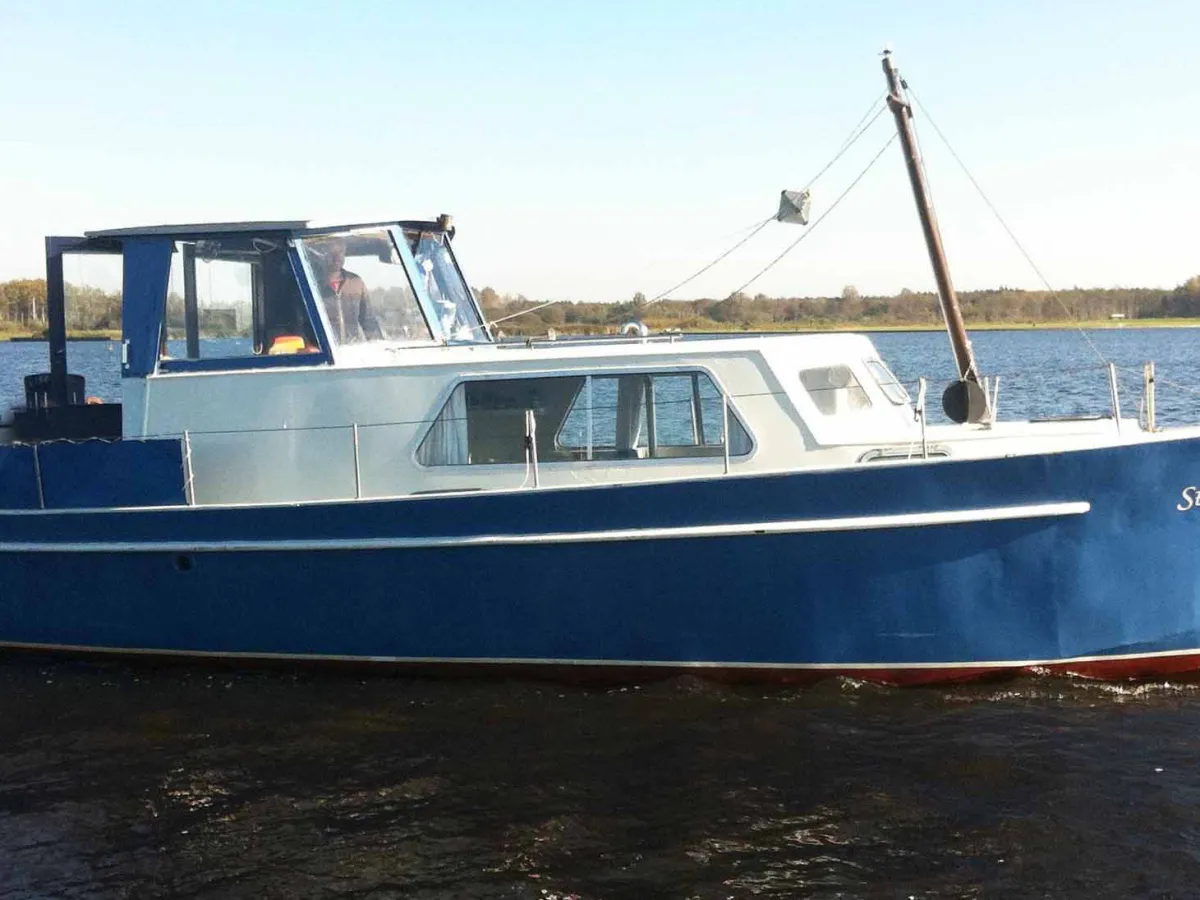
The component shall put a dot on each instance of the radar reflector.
(794, 207)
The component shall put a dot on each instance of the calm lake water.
(126, 782)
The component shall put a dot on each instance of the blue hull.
(1085, 563)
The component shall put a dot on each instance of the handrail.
(1148, 394)
(1114, 395)
(357, 466)
(189, 476)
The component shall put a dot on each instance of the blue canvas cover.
(98, 474)
(18, 483)
(146, 266)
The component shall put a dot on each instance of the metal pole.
(56, 323)
(191, 310)
(357, 469)
(531, 444)
(697, 412)
(189, 490)
(651, 418)
(951, 313)
(725, 429)
(37, 474)
(590, 434)
(1148, 390)
(1112, 390)
(920, 411)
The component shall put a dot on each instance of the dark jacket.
(349, 307)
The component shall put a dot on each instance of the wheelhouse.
(242, 296)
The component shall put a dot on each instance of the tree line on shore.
(23, 307)
(905, 309)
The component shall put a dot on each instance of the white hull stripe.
(602, 663)
(793, 526)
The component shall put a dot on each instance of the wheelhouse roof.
(293, 226)
(205, 228)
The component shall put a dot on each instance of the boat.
(371, 477)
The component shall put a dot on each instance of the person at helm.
(345, 296)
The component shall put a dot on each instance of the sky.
(588, 151)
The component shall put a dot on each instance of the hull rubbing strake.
(791, 526)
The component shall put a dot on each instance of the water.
(131, 782)
(1061, 373)
(121, 782)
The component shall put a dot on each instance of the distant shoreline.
(831, 327)
(1100, 325)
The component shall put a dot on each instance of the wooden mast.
(968, 401)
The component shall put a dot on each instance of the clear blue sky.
(591, 150)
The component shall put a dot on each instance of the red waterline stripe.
(1124, 668)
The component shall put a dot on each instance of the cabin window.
(443, 282)
(583, 417)
(834, 390)
(649, 417)
(234, 297)
(363, 288)
(892, 389)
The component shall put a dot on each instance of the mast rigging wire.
(790, 247)
(856, 132)
(761, 225)
(851, 139)
(999, 218)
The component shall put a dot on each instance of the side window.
(650, 417)
(834, 390)
(232, 298)
(483, 422)
(688, 414)
(602, 417)
(608, 419)
(891, 387)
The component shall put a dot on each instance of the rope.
(821, 219)
(761, 225)
(855, 133)
(521, 313)
(1004, 225)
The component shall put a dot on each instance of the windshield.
(444, 284)
(363, 288)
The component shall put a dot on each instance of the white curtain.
(446, 443)
(631, 392)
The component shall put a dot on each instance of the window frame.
(445, 395)
(810, 393)
(904, 397)
(649, 417)
(484, 327)
(319, 357)
(407, 263)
